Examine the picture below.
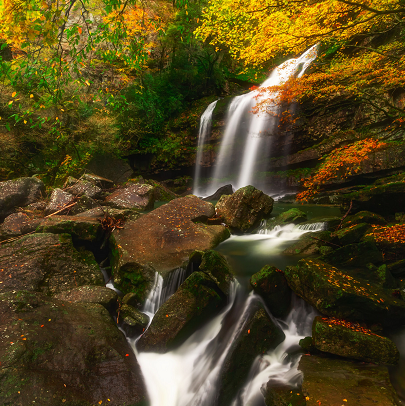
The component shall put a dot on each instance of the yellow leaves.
(13, 94)
(87, 83)
(31, 96)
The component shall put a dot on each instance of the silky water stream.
(190, 374)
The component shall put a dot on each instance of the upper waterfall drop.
(246, 144)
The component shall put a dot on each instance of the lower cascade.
(190, 375)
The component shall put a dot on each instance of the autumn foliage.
(343, 162)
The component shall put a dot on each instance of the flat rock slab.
(340, 294)
(336, 382)
(46, 263)
(18, 193)
(54, 353)
(161, 241)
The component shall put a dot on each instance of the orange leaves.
(342, 162)
(393, 234)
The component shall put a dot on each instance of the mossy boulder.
(341, 294)
(90, 294)
(291, 216)
(80, 228)
(101, 211)
(214, 265)
(132, 196)
(244, 210)
(161, 192)
(310, 243)
(46, 263)
(354, 255)
(258, 335)
(196, 301)
(19, 193)
(132, 321)
(352, 234)
(364, 217)
(336, 381)
(350, 340)
(397, 268)
(162, 241)
(271, 284)
(53, 352)
(384, 199)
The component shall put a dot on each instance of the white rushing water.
(190, 375)
(205, 128)
(247, 139)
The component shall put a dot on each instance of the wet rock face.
(54, 352)
(59, 199)
(244, 210)
(197, 300)
(258, 335)
(271, 284)
(18, 193)
(342, 294)
(133, 196)
(330, 381)
(350, 340)
(161, 241)
(46, 263)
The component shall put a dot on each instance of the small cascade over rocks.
(246, 143)
(162, 290)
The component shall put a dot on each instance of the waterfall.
(246, 143)
(205, 128)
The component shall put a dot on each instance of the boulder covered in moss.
(258, 335)
(351, 340)
(132, 196)
(271, 284)
(80, 228)
(244, 210)
(197, 300)
(161, 241)
(213, 264)
(291, 216)
(161, 192)
(310, 243)
(47, 263)
(132, 321)
(364, 217)
(354, 255)
(352, 234)
(58, 353)
(19, 193)
(341, 294)
(336, 381)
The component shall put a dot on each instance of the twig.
(347, 213)
(16, 238)
(64, 208)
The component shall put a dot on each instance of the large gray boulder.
(132, 196)
(19, 193)
(244, 210)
